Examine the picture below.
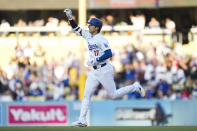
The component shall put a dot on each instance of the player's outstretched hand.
(92, 62)
(68, 13)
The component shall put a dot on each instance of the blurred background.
(42, 71)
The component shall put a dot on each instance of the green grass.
(102, 128)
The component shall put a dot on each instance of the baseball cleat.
(79, 124)
(140, 89)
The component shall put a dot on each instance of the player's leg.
(90, 87)
(107, 80)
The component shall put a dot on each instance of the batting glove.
(92, 62)
(68, 14)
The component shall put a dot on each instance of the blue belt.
(99, 66)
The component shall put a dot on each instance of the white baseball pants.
(105, 76)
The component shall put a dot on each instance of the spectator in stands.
(48, 94)
(38, 22)
(20, 23)
(59, 72)
(103, 19)
(116, 60)
(131, 18)
(193, 68)
(64, 27)
(178, 92)
(141, 71)
(4, 24)
(19, 52)
(30, 24)
(39, 52)
(3, 82)
(58, 93)
(52, 22)
(11, 68)
(5, 93)
(180, 75)
(171, 94)
(110, 21)
(33, 81)
(185, 94)
(28, 51)
(36, 92)
(138, 21)
(154, 23)
(163, 86)
(44, 69)
(130, 73)
(12, 84)
(20, 93)
(170, 25)
(149, 74)
(73, 76)
(160, 71)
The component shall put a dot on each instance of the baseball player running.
(102, 71)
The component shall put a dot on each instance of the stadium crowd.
(138, 21)
(164, 71)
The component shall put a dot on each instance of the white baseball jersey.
(103, 75)
(97, 44)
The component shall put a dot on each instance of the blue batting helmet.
(96, 22)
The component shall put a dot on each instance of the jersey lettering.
(91, 47)
(96, 52)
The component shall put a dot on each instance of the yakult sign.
(37, 114)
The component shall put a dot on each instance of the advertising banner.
(37, 114)
(127, 113)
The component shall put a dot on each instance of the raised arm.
(73, 24)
